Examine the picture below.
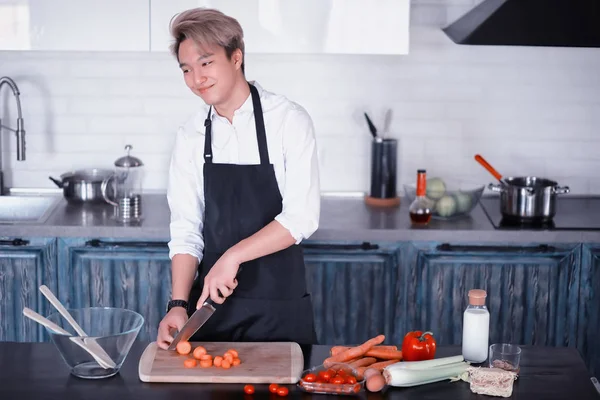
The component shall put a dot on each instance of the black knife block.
(383, 173)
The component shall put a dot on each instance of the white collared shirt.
(292, 151)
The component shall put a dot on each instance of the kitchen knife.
(371, 126)
(195, 322)
(198, 318)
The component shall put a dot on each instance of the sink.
(26, 209)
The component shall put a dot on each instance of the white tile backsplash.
(526, 110)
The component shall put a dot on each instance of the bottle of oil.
(421, 208)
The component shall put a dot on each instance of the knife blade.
(195, 322)
(198, 318)
(371, 126)
(596, 384)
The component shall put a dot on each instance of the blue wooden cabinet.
(533, 291)
(588, 342)
(112, 273)
(537, 294)
(354, 290)
(25, 264)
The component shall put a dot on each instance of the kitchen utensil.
(83, 185)
(126, 184)
(372, 128)
(387, 120)
(112, 329)
(595, 383)
(262, 362)
(383, 168)
(29, 313)
(198, 318)
(91, 343)
(529, 198)
(195, 322)
(488, 166)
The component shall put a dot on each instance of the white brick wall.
(527, 110)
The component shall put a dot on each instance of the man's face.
(208, 72)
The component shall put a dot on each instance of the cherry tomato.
(351, 380)
(282, 391)
(310, 377)
(327, 375)
(338, 380)
(273, 387)
(248, 389)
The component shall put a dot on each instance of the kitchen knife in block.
(261, 362)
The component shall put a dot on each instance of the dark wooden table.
(36, 371)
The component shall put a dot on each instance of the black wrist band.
(177, 303)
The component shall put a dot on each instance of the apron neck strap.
(208, 138)
(261, 135)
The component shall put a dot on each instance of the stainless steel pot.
(84, 185)
(528, 198)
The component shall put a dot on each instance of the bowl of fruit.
(450, 199)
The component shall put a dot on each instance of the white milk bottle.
(476, 328)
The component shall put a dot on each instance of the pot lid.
(91, 175)
(128, 161)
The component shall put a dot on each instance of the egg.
(374, 380)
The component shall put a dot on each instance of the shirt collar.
(247, 105)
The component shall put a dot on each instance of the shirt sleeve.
(301, 191)
(185, 196)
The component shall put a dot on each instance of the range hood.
(563, 23)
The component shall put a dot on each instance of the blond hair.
(205, 26)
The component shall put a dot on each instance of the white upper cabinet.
(270, 26)
(78, 25)
(301, 26)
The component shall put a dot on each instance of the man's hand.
(220, 278)
(175, 319)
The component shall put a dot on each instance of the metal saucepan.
(84, 185)
(525, 198)
(528, 198)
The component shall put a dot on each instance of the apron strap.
(261, 135)
(208, 138)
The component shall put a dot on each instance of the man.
(243, 190)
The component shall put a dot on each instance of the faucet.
(20, 131)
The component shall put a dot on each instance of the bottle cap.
(477, 297)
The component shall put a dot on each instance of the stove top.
(572, 213)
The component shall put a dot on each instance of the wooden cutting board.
(278, 362)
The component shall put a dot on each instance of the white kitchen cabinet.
(301, 26)
(77, 25)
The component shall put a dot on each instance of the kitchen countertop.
(343, 218)
(36, 370)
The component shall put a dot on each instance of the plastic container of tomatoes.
(339, 379)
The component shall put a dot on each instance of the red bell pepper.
(418, 346)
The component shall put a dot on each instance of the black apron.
(270, 302)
